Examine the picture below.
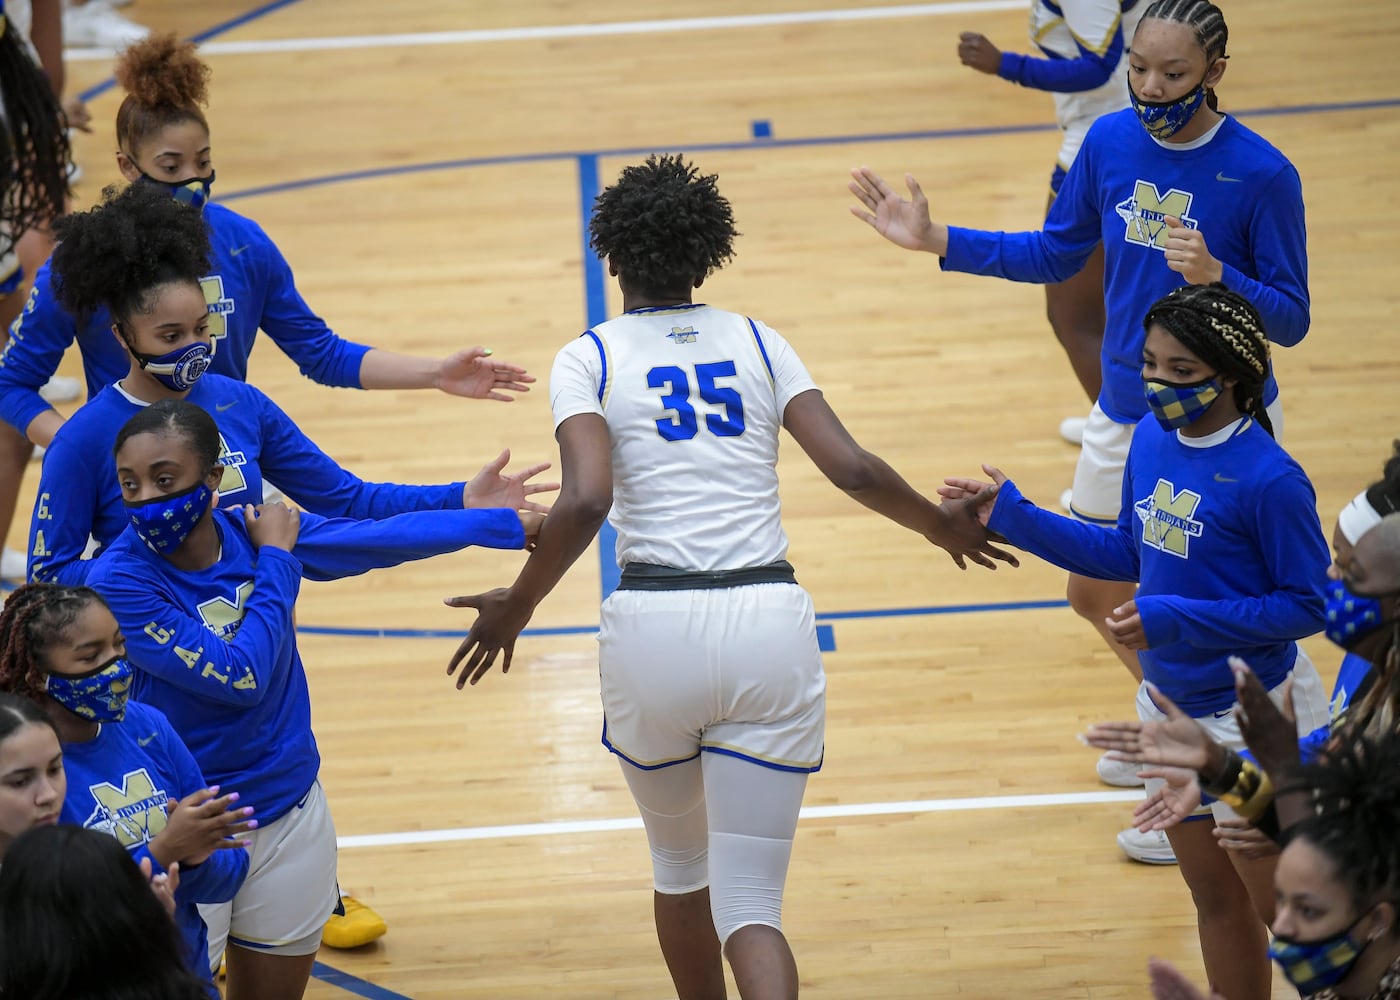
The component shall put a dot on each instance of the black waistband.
(644, 576)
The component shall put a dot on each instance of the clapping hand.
(473, 373)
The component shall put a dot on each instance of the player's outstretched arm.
(585, 458)
(870, 481)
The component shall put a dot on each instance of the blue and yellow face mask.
(1312, 966)
(98, 696)
(1176, 404)
(193, 192)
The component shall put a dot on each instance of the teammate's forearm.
(387, 370)
(43, 427)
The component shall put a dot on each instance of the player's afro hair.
(663, 225)
(114, 255)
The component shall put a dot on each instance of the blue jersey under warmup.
(215, 649)
(251, 287)
(1224, 541)
(79, 493)
(123, 783)
(1240, 192)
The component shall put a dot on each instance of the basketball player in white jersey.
(712, 682)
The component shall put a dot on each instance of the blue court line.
(353, 984)
(219, 29)
(709, 147)
(595, 305)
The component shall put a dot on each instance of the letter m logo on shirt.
(1145, 214)
(133, 813)
(1168, 519)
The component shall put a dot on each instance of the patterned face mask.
(1164, 119)
(98, 696)
(1176, 404)
(193, 192)
(1350, 617)
(165, 523)
(1315, 965)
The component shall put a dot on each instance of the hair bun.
(163, 71)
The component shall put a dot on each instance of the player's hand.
(1188, 255)
(76, 114)
(957, 488)
(1172, 802)
(902, 221)
(532, 524)
(499, 622)
(202, 823)
(272, 524)
(163, 886)
(1176, 741)
(489, 488)
(1126, 625)
(474, 374)
(1244, 840)
(1170, 983)
(1270, 732)
(977, 51)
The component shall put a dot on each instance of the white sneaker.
(98, 25)
(1067, 498)
(1150, 848)
(1072, 429)
(13, 565)
(61, 389)
(1119, 773)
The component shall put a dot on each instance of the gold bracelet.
(1252, 792)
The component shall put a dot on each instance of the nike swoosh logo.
(1228, 180)
(1224, 479)
(146, 741)
(235, 252)
(221, 407)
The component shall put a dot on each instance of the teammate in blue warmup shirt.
(129, 774)
(1178, 193)
(140, 256)
(205, 598)
(1083, 44)
(1219, 529)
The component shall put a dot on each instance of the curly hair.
(33, 143)
(663, 225)
(1355, 792)
(1225, 331)
(166, 83)
(34, 617)
(117, 254)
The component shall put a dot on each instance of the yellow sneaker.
(354, 924)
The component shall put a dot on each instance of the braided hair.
(1203, 18)
(663, 225)
(116, 254)
(34, 616)
(1355, 792)
(33, 143)
(166, 83)
(1222, 329)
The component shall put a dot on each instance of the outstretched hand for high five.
(1172, 802)
(489, 488)
(500, 620)
(967, 507)
(473, 373)
(904, 222)
(1176, 741)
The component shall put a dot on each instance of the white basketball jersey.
(693, 398)
(1060, 28)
